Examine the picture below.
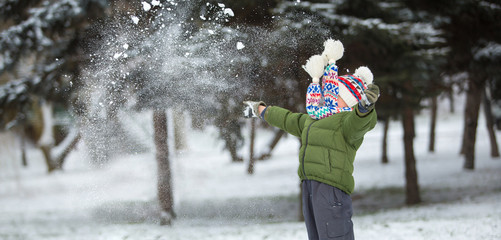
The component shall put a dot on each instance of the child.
(337, 93)
(326, 163)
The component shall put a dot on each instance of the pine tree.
(40, 64)
(470, 31)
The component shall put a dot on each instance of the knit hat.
(352, 87)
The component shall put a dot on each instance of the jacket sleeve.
(357, 124)
(292, 123)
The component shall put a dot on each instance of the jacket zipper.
(304, 151)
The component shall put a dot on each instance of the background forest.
(79, 73)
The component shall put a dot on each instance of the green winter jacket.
(328, 145)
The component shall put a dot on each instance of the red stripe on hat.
(350, 87)
(358, 81)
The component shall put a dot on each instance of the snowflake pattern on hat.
(329, 92)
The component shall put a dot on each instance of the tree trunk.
(230, 140)
(463, 140)
(48, 158)
(55, 160)
(179, 130)
(431, 146)
(473, 99)
(24, 160)
(250, 169)
(59, 161)
(451, 102)
(46, 141)
(164, 186)
(489, 121)
(229, 130)
(384, 158)
(411, 177)
(273, 144)
(232, 148)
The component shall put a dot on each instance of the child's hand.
(251, 109)
(372, 94)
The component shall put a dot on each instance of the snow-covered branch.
(32, 35)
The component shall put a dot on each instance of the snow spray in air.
(171, 55)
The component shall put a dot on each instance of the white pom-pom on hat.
(315, 67)
(333, 50)
(365, 74)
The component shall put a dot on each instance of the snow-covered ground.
(217, 199)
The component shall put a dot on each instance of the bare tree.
(41, 60)
(55, 155)
(472, 108)
(431, 146)
(384, 157)
(252, 160)
(179, 130)
(164, 184)
(489, 122)
(412, 186)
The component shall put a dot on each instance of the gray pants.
(327, 211)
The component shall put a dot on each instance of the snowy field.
(217, 199)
